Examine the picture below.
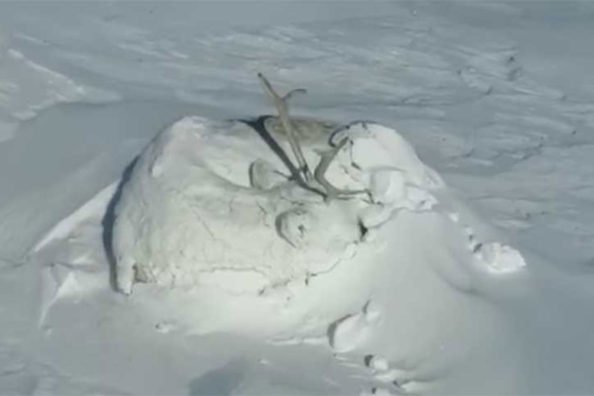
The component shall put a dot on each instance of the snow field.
(484, 286)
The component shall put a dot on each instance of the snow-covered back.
(189, 214)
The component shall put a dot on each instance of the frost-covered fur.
(201, 206)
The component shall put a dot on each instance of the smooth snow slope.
(497, 97)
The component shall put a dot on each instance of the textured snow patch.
(497, 258)
(66, 225)
(378, 363)
(71, 255)
(376, 147)
(351, 332)
(26, 87)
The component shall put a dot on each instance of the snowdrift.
(213, 236)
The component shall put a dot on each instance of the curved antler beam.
(283, 113)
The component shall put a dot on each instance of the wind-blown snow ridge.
(27, 87)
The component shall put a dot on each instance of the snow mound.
(210, 203)
(494, 258)
(350, 332)
(499, 259)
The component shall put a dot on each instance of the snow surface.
(484, 286)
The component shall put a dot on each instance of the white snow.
(471, 273)
(378, 363)
(351, 332)
(64, 227)
(27, 87)
(499, 259)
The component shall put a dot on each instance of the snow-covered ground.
(486, 291)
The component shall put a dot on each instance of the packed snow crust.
(189, 213)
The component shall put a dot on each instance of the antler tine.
(320, 174)
(290, 94)
(283, 113)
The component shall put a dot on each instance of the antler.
(320, 174)
(283, 113)
(328, 190)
